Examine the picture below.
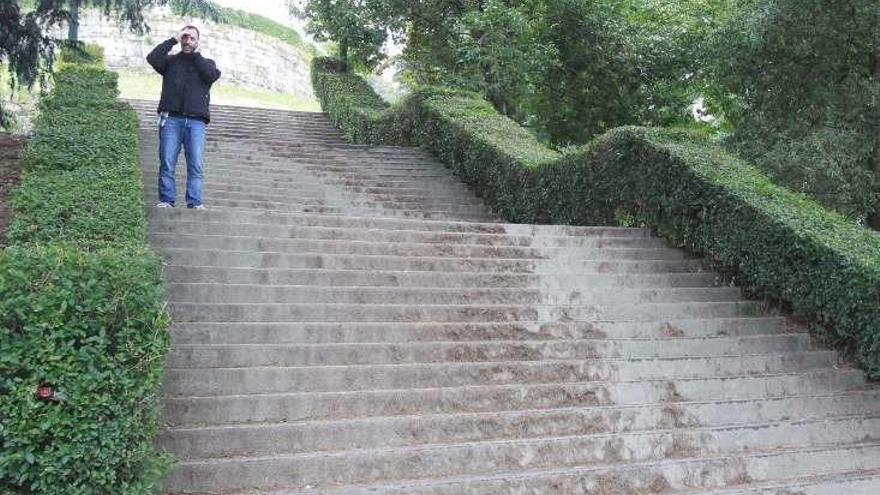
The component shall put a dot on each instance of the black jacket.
(186, 80)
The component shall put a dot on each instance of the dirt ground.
(10, 176)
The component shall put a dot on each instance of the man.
(183, 113)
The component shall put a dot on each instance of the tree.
(567, 68)
(805, 81)
(354, 25)
(29, 52)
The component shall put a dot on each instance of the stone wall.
(245, 57)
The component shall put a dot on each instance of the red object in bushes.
(45, 392)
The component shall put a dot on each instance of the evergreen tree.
(28, 51)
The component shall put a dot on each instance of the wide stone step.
(282, 260)
(858, 482)
(346, 211)
(262, 293)
(306, 333)
(317, 161)
(253, 407)
(244, 355)
(230, 121)
(341, 312)
(279, 379)
(358, 278)
(197, 226)
(426, 462)
(301, 189)
(686, 476)
(632, 429)
(291, 142)
(231, 242)
(233, 189)
(488, 423)
(257, 167)
(158, 215)
(312, 189)
(362, 247)
(475, 215)
(237, 191)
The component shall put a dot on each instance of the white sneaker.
(163, 204)
(198, 207)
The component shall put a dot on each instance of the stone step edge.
(543, 252)
(537, 291)
(464, 274)
(652, 381)
(510, 442)
(599, 471)
(682, 405)
(403, 231)
(695, 263)
(542, 360)
(670, 340)
(639, 232)
(313, 455)
(534, 323)
(783, 485)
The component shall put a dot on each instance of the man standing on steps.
(183, 113)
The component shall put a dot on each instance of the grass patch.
(148, 86)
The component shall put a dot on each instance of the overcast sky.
(273, 9)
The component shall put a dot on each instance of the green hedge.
(82, 168)
(779, 244)
(91, 324)
(82, 306)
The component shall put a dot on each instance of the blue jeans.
(174, 132)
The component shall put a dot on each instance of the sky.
(273, 9)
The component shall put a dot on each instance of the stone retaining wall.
(245, 57)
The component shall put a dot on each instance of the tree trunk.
(73, 27)
(343, 53)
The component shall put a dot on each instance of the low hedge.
(82, 306)
(779, 244)
(93, 326)
(82, 180)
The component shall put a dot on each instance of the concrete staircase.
(352, 320)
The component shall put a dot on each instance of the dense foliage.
(779, 243)
(354, 25)
(806, 77)
(796, 82)
(82, 307)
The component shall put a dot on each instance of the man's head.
(189, 39)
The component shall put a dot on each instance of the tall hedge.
(780, 244)
(81, 304)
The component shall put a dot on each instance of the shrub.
(92, 325)
(79, 86)
(82, 306)
(67, 139)
(781, 244)
(80, 53)
(82, 173)
(91, 207)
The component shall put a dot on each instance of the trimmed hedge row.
(82, 171)
(82, 306)
(779, 244)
